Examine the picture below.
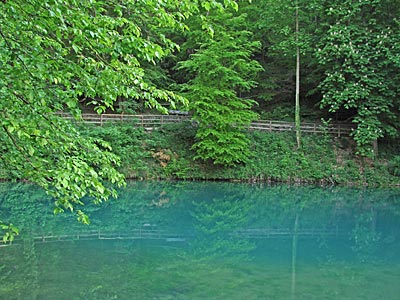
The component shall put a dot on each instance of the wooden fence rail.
(305, 127)
(150, 122)
(147, 121)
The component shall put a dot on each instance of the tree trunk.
(297, 109)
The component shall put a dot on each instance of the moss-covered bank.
(166, 153)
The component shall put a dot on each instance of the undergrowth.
(166, 153)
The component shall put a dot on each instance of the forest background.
(225, 62)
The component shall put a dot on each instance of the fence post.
(101, 120)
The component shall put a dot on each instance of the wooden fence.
(146, 121)
(305, 127)
(150, 122)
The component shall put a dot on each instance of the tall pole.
(297, 109)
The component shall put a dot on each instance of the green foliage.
(52, 153)
(349, 58)
(361, 66)
(53, 54)
(394, 165)
(222, 70)
(273, 24)
(66, 51)
(9, 231)
(126, 140)
(163, 153)
(166, 153)
(176, 140)
(276, 158)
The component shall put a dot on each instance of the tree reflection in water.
(184, 240)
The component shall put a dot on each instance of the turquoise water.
(189, 240)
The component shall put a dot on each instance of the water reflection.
(181, 240)
(215, 222)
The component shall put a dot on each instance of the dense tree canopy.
(361, 65)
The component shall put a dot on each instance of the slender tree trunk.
(294, 254)
(297, 109)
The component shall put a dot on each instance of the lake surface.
(191, 240)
